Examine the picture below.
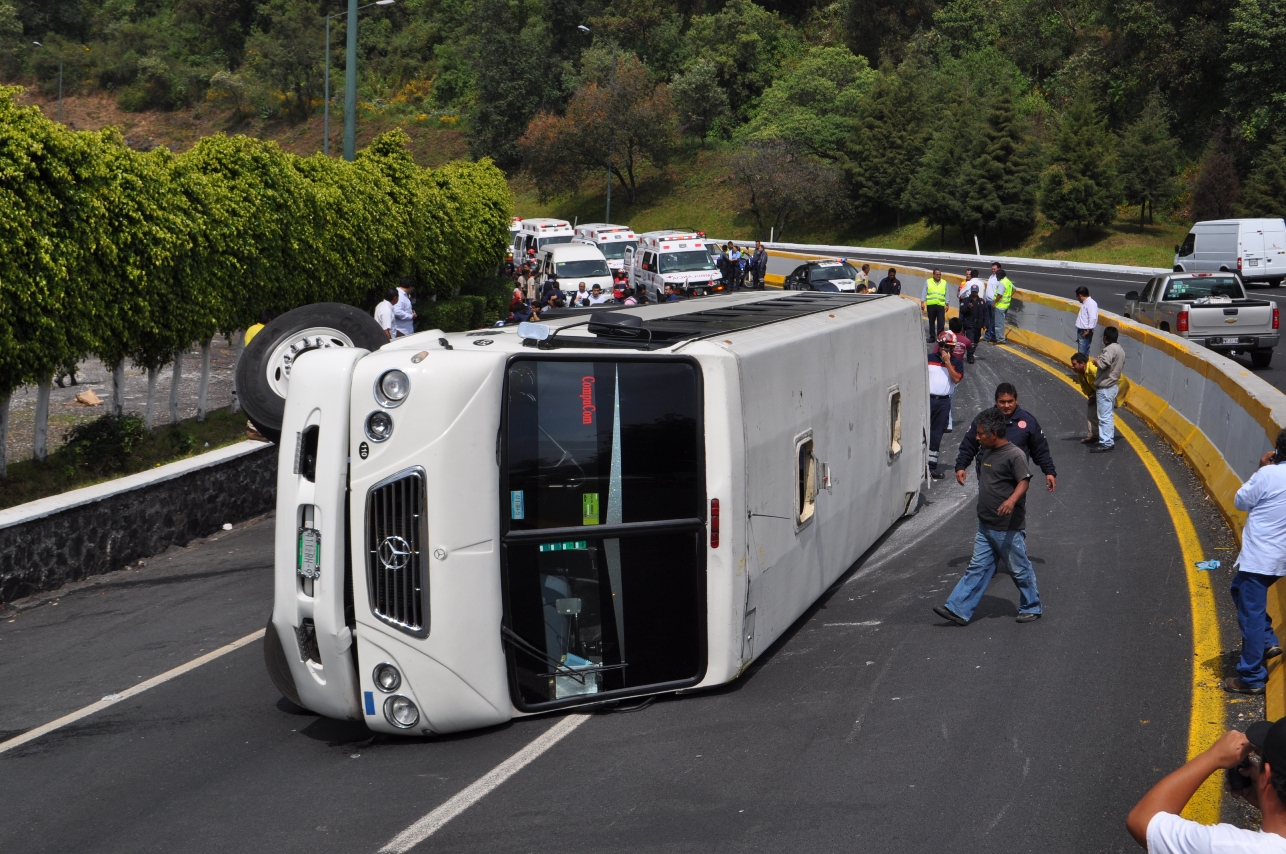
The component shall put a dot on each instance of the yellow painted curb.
(1207, 721)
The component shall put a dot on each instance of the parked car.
(1253, 248)
(833, 276)
(1209, 309)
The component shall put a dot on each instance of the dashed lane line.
(1208, 718)
(433, 821)
(113, 699)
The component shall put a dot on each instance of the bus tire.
(274, 658)
(263, 373)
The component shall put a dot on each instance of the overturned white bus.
(476, 526)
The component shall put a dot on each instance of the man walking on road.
(1002, 520)
(890, 284)
(1085, 321)
(1261, 562)
(1021, 430)
(935, 303)
(973, 314)
(1110, 362)
(943, 376)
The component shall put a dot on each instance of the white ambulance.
(481, 525)
(538, 233)
(611, 240)
(680, 259)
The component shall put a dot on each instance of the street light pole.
(611, 92)
(350, 79)
(60, 79)
(326, 98)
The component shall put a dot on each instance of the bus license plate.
(309, 563)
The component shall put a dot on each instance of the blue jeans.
(1106, 398)
(989, 547)
(1250, 594)
(1084, 338)
(998, 334)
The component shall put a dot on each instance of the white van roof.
(544, 225)
(1259, 224)
(602, 230)
(574, 249)
(672, 239)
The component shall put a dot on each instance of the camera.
(1238, 777)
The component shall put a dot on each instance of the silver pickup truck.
(1209, 309)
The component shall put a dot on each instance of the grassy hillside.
(695, 191)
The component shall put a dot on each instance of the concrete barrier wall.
(45, 544)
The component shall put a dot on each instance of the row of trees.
(135, 256)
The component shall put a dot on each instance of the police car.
(832, 276)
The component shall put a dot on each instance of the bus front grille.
(396, 575)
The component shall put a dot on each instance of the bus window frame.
(698, 525)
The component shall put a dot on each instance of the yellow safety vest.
(935, 292)
(1005, 295)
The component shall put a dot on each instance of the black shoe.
(1237, 685)
(950, 616)
(1089, 440)
(1027, 618)
(1272, 652)
(948, 430)
(970, 359)
(1102, 449)
(936, 475)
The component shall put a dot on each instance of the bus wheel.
(263, 374)
(274, 657)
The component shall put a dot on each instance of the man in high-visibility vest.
(935, 304)
(1004, 296)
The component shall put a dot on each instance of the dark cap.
(974, 288)
(1269, 740)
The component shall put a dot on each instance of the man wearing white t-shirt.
(1155, 822)
(384, 312)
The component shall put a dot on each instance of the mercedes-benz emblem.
(394, 553)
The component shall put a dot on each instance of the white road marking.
(866, 623)
(113, 699)
(434, 821)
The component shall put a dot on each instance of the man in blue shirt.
(1261, 562)
(403, 315)
(1023, 431)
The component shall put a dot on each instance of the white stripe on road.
(113, 699)
(433, 822)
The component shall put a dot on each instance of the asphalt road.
(870, 726)
(1108, 290)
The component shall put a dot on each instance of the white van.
(1253, 248)
(477, 526)
(680, 259)
(613, 240)
(538, 233)
(574, 263)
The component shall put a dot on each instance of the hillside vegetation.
(1033, 125)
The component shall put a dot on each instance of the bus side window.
(807, 487)
(895, 423)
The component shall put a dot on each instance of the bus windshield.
(594, 603)
(615, 250)
(685, 262)
(585, 267)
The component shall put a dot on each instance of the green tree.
(815, 103)
(1256, 86)
(1080, 186)
(884, 153)
(283, 54)
(998, 189)
(1217, 191)
(747, 44)
(700, 102)
(1266, 189)
(781, 182)
(1149, 156)
(881, 29)
(937, 190)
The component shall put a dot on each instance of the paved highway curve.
(1108, 289)
(871, 725)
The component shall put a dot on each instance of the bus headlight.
(401, 712)
(392, 388)
(379, 426)
(387, 679)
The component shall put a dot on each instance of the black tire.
(1261, 358)
(274, 657)
(337, 325)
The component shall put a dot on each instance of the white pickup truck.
(1209, 309)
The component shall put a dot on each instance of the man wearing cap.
(944, 373)
(1261, 562)
(1155, 822)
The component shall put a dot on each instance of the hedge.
(124, 254)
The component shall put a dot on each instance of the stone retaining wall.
(47, 543)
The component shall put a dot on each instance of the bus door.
(603, 521)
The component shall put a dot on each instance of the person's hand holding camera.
(1268, 459)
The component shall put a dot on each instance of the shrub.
(105, 444)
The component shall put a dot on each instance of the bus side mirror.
(1132, 296)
